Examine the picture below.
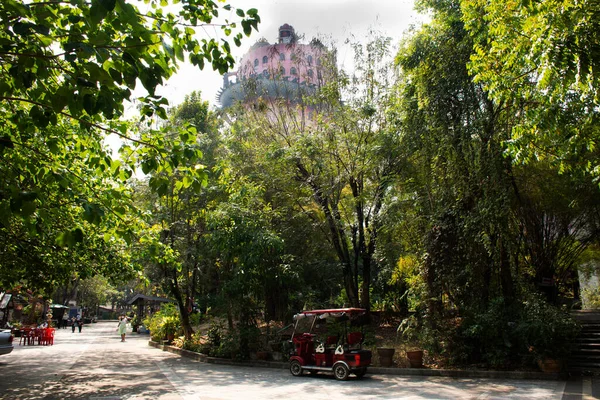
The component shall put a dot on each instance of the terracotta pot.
(386, 356)
(550, 365)
(415, 358)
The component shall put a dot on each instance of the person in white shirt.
(122, 327)
(65, 319)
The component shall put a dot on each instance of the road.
(95, 365)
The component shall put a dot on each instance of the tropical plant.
(163, 323)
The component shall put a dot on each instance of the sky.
(335, 20)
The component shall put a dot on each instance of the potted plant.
(549, 333)
(170, 325)
(410, 330)
(386, 356)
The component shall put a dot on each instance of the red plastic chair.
(42, 336)
(24, 336)
(48, 336)
(31, 336)
(39, 335)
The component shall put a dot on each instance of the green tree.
(456, 136)
(338, 156)
(490, 229)
(63, 212)
(540, 60)
(93, 292)
(66, 68)
(177, 200)
(247, 253)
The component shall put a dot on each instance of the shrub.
(546, 331)
(164, 322)
(503, 336)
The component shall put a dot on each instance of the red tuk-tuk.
(340, 355)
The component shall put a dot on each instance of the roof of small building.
(143, 297)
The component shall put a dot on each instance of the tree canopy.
(65, 70)
(454, 176)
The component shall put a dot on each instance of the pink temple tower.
(284, 69)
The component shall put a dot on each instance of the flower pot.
(415, 358)
(386, 356)
(550, 365)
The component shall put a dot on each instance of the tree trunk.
(336, 233)
(183, 312)
(508, 290)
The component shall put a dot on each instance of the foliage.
(485, 230)
(539, 59)
(232, 343)
(591, 297)
(164, 322)
(94, 292)
(215, 334)
(196, 343)
(548, 331)
(509, 335)
(71, 215)
(335, 152)
(176, 196)
(99, 51)
(247, 251)
(66, 68)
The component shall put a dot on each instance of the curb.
(449, 373)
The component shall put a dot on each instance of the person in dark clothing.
(79, 322)
(73, 323)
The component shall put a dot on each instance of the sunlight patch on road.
(177, 383)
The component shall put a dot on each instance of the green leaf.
(97, 12)
(23, 28)
(187, 181)
(89, 103)
(108, 5)
(6, 142)
(77, 235)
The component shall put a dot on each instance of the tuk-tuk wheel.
(341, 372)
(295, 368)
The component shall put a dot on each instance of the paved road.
(95, 365)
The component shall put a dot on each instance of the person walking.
(65, 319)
(73, 323)
(79, 322)
(122, 327)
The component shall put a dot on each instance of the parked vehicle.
(340, 355)
(6, 341)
